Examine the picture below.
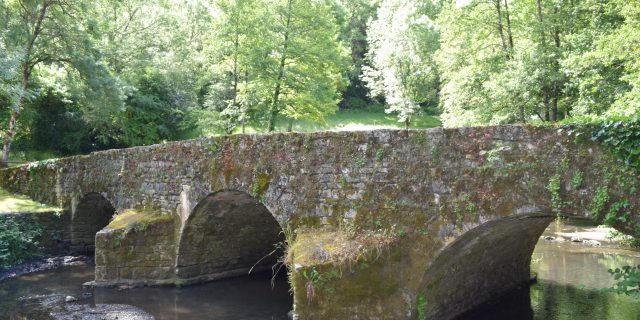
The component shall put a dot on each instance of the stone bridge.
(379, 225)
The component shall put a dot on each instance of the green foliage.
(18, 240)
(492, 156)
(628, 280)
(599, 201)
(623, 239)
(554, 189)
(623, 138)
(515, 61)
(577, 179)
(402, 40)
(149, 115)
(618, 212)
(422, 307)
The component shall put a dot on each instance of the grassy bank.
(351, 120)
(13, 203)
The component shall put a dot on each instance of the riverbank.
(44, 264)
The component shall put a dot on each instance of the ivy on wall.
(622, 138)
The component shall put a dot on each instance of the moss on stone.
(137, 219)
(14, 203)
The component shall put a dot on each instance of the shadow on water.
(249, 297)
(570, 280)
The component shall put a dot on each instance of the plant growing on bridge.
(577, 179)
(422, 307)
(622, 138)
(554, 189)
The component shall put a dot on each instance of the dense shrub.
(18, 240)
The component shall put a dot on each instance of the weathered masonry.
(380, 225)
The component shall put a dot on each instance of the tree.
(307, 65)
(353, 17)
(46, 33)
(235, 49)
(402, 41)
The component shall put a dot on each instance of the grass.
(13, 203)
(352, 120)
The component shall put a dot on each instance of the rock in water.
(576, 239)
(68, 299)
(101, 312)
(56, 307)
(592, 243)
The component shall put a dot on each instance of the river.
(569, 275)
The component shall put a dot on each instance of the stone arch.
(482, 264)
(227, 233)
(92, 213)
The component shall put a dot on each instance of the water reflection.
(239, 298)
(569, 278)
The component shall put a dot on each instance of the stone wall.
(138, 252)
(412, 193)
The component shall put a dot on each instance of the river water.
(570, 278)
(569, 275)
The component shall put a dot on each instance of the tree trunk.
(543, 40)
(276, 94)
(27, 67)
(11, 131)
(509, 33)
(542, 36)
(236, 45)
(545, 101)
(556, 65)
(245, 104)
(500, 27)
(290, 127)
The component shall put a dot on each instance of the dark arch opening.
(482, 265)
(227, 234)
(91, 215)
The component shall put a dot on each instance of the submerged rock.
(593, 243)
(57, 307)
(549, 238)
(101, 312)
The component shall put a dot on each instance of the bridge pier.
(409, 277)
